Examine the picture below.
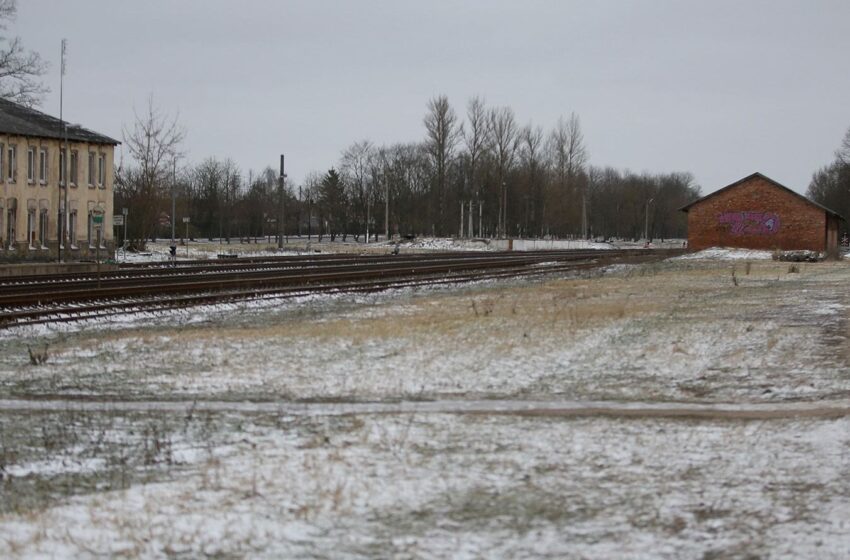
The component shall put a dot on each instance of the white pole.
(66, 217)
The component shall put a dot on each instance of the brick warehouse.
(756, 212)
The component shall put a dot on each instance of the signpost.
(97, 221)
(124, 212)
(186, 221)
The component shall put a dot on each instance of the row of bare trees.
(830, 185)
(485, 175)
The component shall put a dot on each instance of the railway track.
(37, 300)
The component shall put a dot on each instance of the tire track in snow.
(767, 411)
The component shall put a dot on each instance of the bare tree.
(531, 139)
(154, 144)
(568, 156)
(843, 152)
(443, 133)
(232, 188)
(475, 138)
(20, 69)
(503, 138)
(355, 174)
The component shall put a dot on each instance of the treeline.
(830, 185)
(483, 175)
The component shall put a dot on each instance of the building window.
(60, 228)
(101, 170)
(12, 163)
(31, 228)
(42, 166)
(100, 241)
(90, 229)
(11, 224)
(74, 160)
(91, 170)
(30, 165)
(42, 228)
(72, 230)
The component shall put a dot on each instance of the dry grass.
(479, 315)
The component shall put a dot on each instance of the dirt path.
(769, 411)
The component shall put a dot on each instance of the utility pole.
(584, 216)
(173, 209)
(280, 206)
(66, 220)
(387, 209)
(480, 219)
(461, 219)
(646, 221)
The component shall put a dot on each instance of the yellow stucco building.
(32, 187)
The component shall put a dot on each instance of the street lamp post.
(173, 245)
(280, 230)
(646, 220)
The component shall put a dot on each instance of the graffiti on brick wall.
(750, 223)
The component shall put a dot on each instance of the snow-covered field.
(159, 250)
(274, 480)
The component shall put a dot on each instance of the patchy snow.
(446, 244)
(470, 487)
(159, 251)
(432, 423)
(550, 244)
(53, 467)
(727, 254)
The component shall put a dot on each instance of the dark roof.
(769, 180)
(23, 121)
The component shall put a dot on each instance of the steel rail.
(20, 284)
(153, 303)
(91, 311)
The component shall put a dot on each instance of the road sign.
(118, 220)
(125, 211)
(164, 219)
(186, 220)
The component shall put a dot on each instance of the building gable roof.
(758, 175)
(23, 121)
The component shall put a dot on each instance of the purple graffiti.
(750, 223)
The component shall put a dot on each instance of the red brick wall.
(756, 214)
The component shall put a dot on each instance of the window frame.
(90, 229)
(12, 163)
(91, 177)
(43, 225)
(43, 166)
(60, 226)
(72, 230)
(62, 167)
(101, 170)
(75, 167)
(31, 228)
(30, 165)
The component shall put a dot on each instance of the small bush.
(37, 357)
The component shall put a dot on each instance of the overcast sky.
(717, 88)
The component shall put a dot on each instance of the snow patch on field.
(726, 254)
(476, 486)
